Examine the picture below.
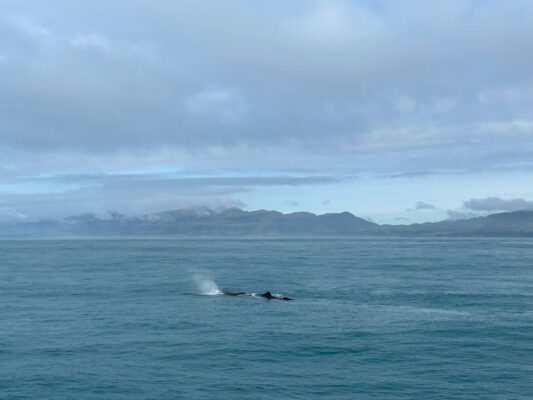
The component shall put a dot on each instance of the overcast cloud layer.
(300, 104)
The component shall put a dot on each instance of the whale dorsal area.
(266, 295)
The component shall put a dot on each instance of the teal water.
(371, 319)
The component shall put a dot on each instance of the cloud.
(508, 127)
(158, 179)
(28, 26)
(100, 201)
(333, 88)
(454, 215)
(507, 94)
(483, 206)
(405, 104)
(334, 21)
(401, 219)
(91, 41)
(268, 81)
(131, 194)
(291, 203)
(498, 204)
(420, 205)
(222, 104)
(443, 104)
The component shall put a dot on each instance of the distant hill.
(516, 223)
(236, 222)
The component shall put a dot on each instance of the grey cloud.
(161, 179)
(31, 207)
(207, 74)
(454, 215)
(130, 200)
(420, 205)
(477, 207)
(507, 94)
(291, 203)
(339, 88)
(498, 204)
(131, 194)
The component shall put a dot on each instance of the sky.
(397, 111)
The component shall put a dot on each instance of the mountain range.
(263, 223)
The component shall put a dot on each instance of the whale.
(236, 293)
(266, 295)
(270, 296)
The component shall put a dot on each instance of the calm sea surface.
(372, 319)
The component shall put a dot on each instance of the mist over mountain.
(204, 222)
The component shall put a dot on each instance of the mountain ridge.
(237, 222)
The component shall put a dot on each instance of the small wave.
(428, 310)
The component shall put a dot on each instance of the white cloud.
(29, 26)
(223, 104)
(334, 21)
(326, 22)
(405, 104)
(91, 41)
(147, 50)
(444, 104)
(521, 126)
(507, 94)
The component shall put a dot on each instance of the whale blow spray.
(206, 285)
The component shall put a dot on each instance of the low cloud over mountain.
(498, 204)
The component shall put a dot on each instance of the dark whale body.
(266, 295)
(235, 293)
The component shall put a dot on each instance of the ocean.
(392, 318)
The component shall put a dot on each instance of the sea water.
(372, 319)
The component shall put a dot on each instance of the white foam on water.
(411, 309)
